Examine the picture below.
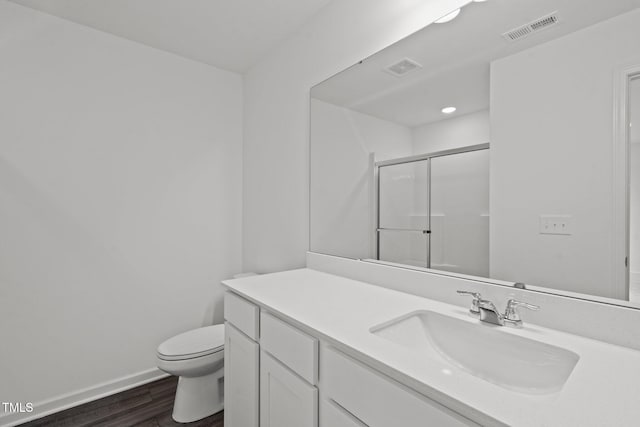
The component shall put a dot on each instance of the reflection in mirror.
(397, 176)
(634, 187)
(433, 210)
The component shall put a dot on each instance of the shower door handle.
(404, 229)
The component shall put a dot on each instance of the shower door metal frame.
(413, 159)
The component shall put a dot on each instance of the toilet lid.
(195, 343)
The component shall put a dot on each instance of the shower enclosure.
(433, 210)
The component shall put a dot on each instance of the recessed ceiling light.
(479, 1)
(449, 110)
(448, 17)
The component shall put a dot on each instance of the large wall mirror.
(502, 142)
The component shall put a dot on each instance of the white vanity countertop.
(603, 389)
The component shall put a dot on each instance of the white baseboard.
(69, 400)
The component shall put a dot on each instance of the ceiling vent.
(532, 27)
(403, 67)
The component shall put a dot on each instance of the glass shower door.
(403, 213)
(460, 213)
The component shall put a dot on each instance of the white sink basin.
(510, 361)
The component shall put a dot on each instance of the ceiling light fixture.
(448, 17)
(448, 110)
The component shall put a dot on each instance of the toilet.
(197, 358)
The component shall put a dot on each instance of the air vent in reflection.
(532, 27)
(403, 67)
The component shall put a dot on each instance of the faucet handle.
(475, 310)
(511, 314)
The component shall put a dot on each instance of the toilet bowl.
(197, 358)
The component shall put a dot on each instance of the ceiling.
(229, 34)
(455, 59)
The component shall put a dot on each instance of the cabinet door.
(286, 400)
(241, 379)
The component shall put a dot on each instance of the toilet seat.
(193, 344)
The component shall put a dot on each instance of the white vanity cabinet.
(241, 363)
(279, 376)
(271, 369)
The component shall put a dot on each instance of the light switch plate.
(556, 224)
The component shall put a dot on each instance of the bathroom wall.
(276, 126)
(120, 187)
(577, 175)
(344, 183)
(454, 132)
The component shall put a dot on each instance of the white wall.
(342, 176)
(561, 161)
(120, 195)
(455, 132)
(275, 203)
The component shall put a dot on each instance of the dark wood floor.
(149, 405)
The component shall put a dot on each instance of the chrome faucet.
(487, 311)
(511, 315)
(474, 310)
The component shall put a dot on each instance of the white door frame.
(620, 191)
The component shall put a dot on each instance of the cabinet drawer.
(242, 314)
(333, 415)
(297, 350)
(379, 401)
